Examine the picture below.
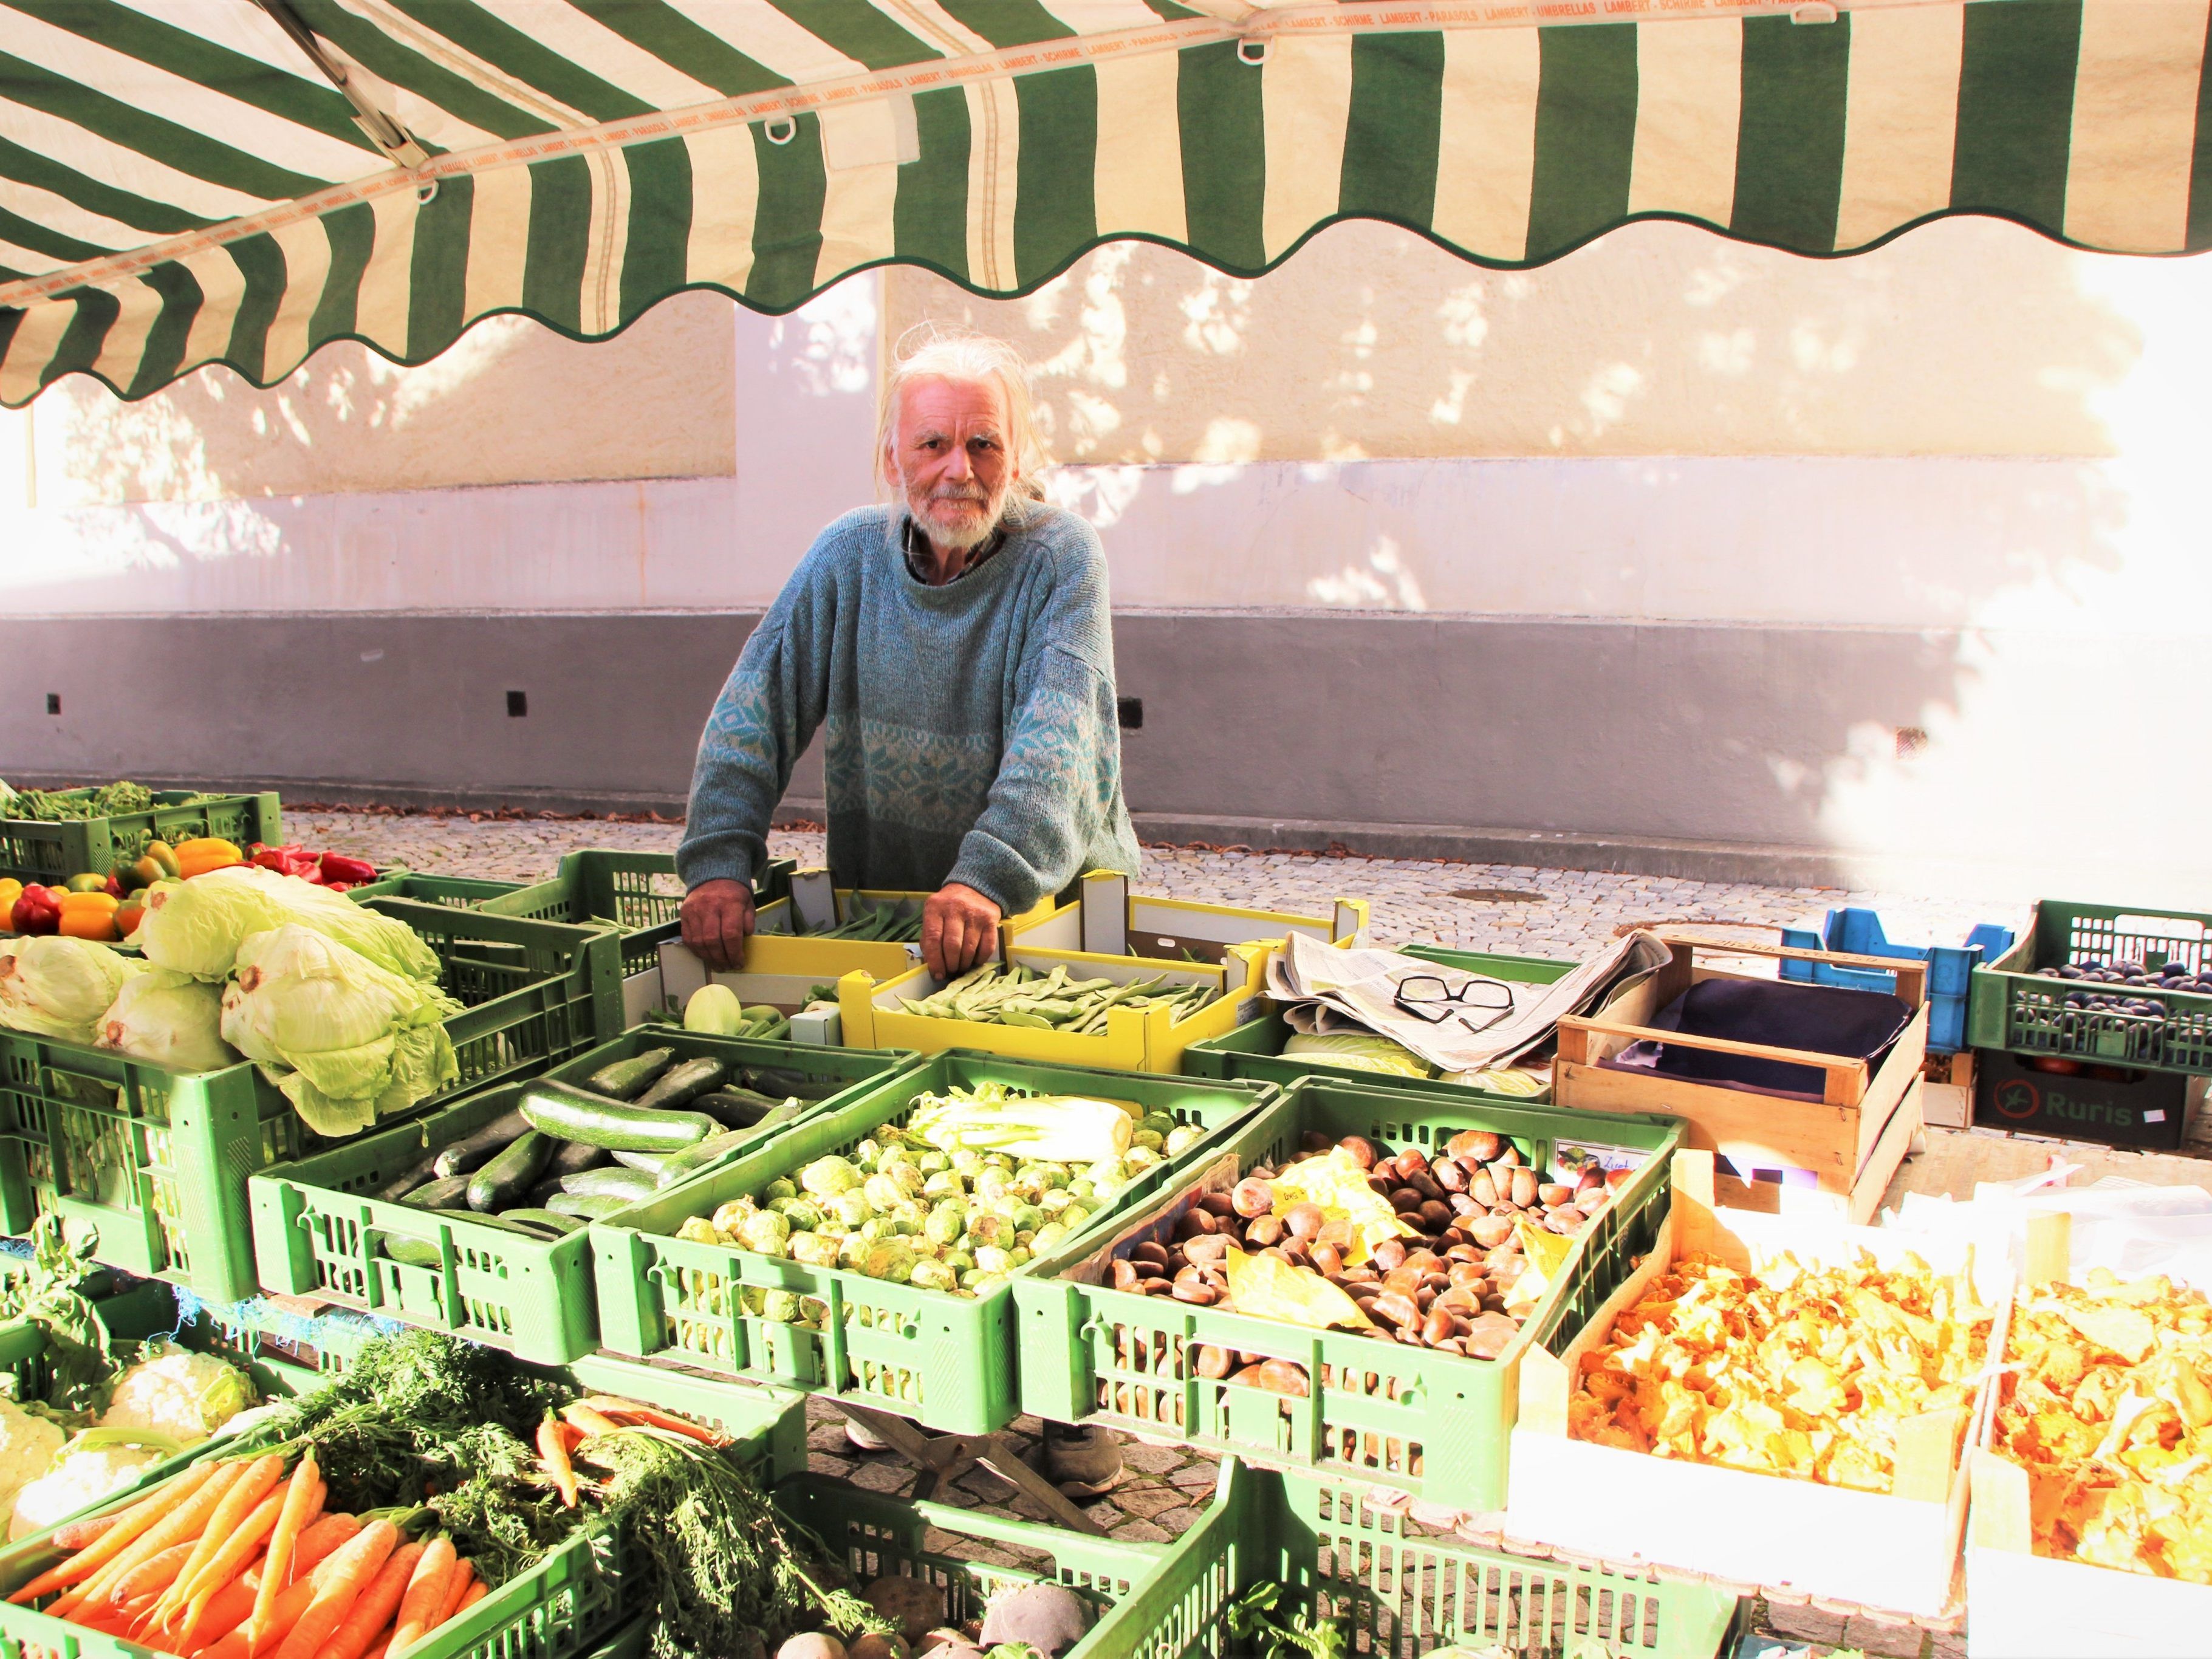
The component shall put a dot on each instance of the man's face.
(950, 451)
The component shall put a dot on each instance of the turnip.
(879, 1647)
(916, 1607)
(1048, 1617)
(813, 1646)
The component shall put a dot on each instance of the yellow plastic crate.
(1108, 919)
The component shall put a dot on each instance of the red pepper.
(339, 886)
(337, 867)
(114, 885)
(270, 858)
(37, 911)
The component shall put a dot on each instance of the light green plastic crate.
(946, 1360)
(157, 1161)
(2011, 1006)
(50, 852)
(1255, 1050)
(317, 1232)
(462, 893)
(1398, 1592)
(1433, 1424)
(638, 892)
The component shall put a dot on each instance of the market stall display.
(766, 1308)
(1829, 1135)
(1361, 1308)
(389, 1223)
(1855, 930)
(47, 838)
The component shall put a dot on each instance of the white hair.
(929, 351)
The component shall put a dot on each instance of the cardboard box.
(2080, 1100)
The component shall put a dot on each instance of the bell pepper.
(337, 867)
(37, 910)
(105, 904)
(128, 915)
(164, 858)
(86, 923)
(137, 877)
(198, 857)
(114, 889)
(86, 882)
(10, 891)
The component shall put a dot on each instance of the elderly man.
(958, 646)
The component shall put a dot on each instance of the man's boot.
(1083, 1461)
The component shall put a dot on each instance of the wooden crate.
(1946, 1090)
(1850, 1141)
(2020, 1605)
(1894, 1552)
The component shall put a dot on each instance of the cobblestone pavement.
(1512, 909)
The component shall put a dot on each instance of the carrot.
(477, 1591)
(301, 1504)
(464, 1574)
(615, 1406)
(124, 1527)
(553, 1448)
(188, 1520)
(371, 1615)
(150, 1577)
(426, 1594)
(338, 1585)
(589, 1421)
(233, 1603)
(229, 1561)
(78, 1533)
(243, 1499)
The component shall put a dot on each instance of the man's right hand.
(718, 918)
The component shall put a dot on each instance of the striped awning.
(184, 182)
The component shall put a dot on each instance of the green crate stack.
(157, 1161)
(316, 1231)
(2012, 1006)
(462, 893)
(50, 852)
(1434, 1424)
(1352, 1557)
(880, 1537)
(575, 1600)
(946, 1360)
(1255, 1050)
(638, 892)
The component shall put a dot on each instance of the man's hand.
(959, 929)
(718, 918)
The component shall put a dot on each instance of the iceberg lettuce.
(59, 986)
(196, 927)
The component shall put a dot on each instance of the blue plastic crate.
(1853, 931)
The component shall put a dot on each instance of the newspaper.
(1326, 989)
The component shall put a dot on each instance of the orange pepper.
(127, 918)
(105, 904)
(86, 922)
(197, 858)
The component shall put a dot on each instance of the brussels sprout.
(1019, 1255)
(782, 1186)
(947, 1222)
(988, 1229)
(868, 1150)
(908, 1178)
(944, 1184)
(765, 1231)
(970, 1277)
(697, 1230)
(982, 1283)
(896, 1157)
(1158, 1123)
(1081, 1188)
(804, 1215)
(958, 1259)
(1151, 1139)
(850, 1208)
(992, 1182)
(1140, 1157)
(966, 1162)
(915, 1210)
(781, 1306)
(934, 1276)
(1073, 1217)
(1047, 1236)
(852, 1248)
(933, 1163)
(1055, 1200)
(1108, 1176)
(1025, 1185)
(1026, 1218)
(990, 1258)
(826, 1177)
(730, 1217)
(752, 1298)
(1182, 1139)
(892, 1134)
(875, 1227)
(1053, 1175)
(889, 1259)
(882, 1193)
(815, 1249)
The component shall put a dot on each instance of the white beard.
(970, 530)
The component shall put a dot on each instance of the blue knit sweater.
(971, 728)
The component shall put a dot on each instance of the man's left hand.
(959, 929)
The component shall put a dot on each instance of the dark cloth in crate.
(1824, 1019)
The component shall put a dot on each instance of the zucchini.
(568, 1113)
(413, 1252)
(446, 1193)
(473, 1150)
(678, 1166)
(626, 1079)
(587, 1206)
(547, 1186)
(422, 1170)
(628, 1185)
(647, 1163)
(735, 1108)
(550, 1220)
(679, 1083)
(574, 1157)
(780, 1082)
(501, 1183)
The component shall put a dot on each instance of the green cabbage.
(197, 926)
(170, 1019)
(1364, 1051)
(59, 986)
(346, 1041)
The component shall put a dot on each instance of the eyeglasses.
(1428, 999)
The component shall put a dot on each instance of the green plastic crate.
(1433, 1424)
(2012, 1006)
(880, 1537)
(946, 1360)
(1353, 1557)
(316, 1230)
(575, 1600)
(1255, 1050)
(462, 893)
(157, 1160)
(637, 892)
(54, 852)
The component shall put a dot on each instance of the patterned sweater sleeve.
(761, 723)
(1061, 773)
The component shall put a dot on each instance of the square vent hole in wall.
(517, 705)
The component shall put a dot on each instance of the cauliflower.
(27, 1445)
(178, 1392)
(90, 1467)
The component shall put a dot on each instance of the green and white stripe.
(179, 185)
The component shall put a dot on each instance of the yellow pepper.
(10, 891)
(104, 903)
(197, 858)
(87, 922)
(164, 858)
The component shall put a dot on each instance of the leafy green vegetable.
(197, 926)
(59, 986)
(80, 1363)
(1250, 1622)
(75, 806)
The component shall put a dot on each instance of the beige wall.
(510, 403)
(1968, 337)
